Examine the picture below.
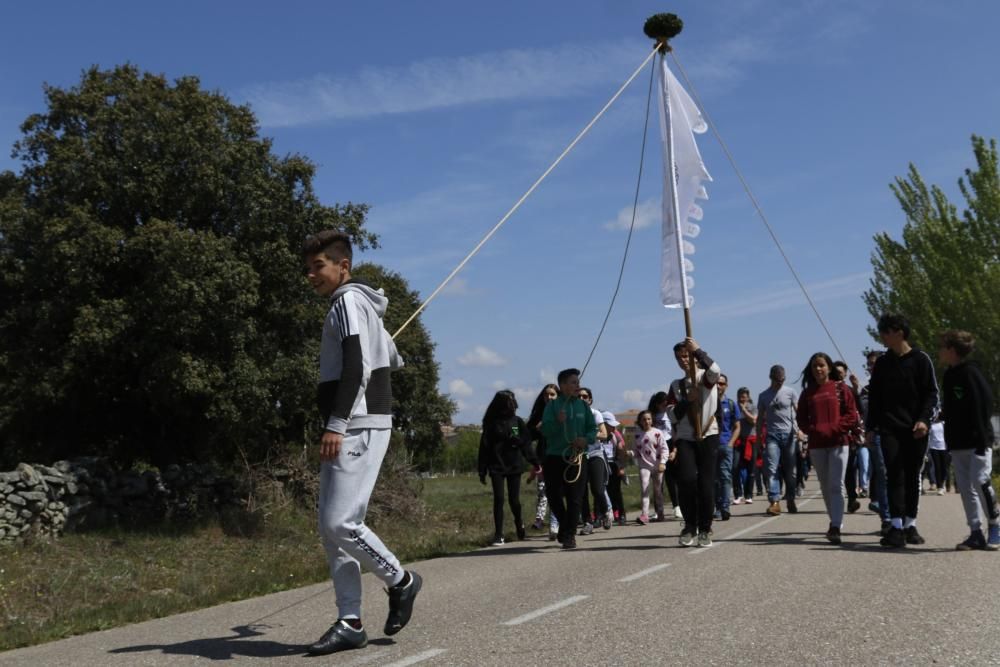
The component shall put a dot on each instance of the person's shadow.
(224, 648)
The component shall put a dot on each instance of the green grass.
(97, 580)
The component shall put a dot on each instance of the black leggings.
(615, 488)
(513, 498)
(670, 481)
(904, 459)
(564, 497)
(942, 462)
(597, 480)
(694, 469)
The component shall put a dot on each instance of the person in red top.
(826, 414)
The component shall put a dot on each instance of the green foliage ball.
(663, 27)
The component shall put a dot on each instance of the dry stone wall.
(44, 501)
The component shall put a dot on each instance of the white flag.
(680, 119)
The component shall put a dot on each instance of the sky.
(440, 115)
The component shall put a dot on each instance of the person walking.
(776, 418)
(827, 414)
(504, 447)
(745, 454)
(902, 403)
(695, 448)
(728, 417)
(968, 432)
(354, 396)
(548, 393)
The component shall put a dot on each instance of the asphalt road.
(770, 591)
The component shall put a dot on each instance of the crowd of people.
(705, 452)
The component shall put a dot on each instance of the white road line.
(545, 610)
(748, 529)
(419, 657)
(643, 573)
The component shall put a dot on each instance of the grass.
(98, 580)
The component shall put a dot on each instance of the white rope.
(526, 194)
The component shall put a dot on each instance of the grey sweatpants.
(830, 463)
(345, 485)
(972, 477)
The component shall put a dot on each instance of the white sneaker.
(677, 513)
(738, 501)
(749, 501)
(686, 539)
(940, 491)
(497, 541)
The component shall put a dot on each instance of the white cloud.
(499, 384)
(458, 287)
(852, 284)
(647, 213)
(438, 83)
(547, 375)
(460, 388)
(633, 396)
(481, 355)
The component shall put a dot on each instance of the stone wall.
(44, 501)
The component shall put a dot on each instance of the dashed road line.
(643, 573)
(546, 610)
(419, 657)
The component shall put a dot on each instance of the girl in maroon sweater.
(827, 414)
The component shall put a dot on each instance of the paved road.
(770, 591)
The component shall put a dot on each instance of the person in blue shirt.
(728, 415)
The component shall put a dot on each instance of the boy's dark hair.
(742, 390)
(961, 341)
(335, 244)
(869, 354)
(503, 406)
(566, 374)
(679, 346)
(775, 369)
(894, 322)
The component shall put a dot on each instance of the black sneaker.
(792, 507)
(401, 599)
(726, 515)
(521, 533)
(833, 535)
(912, 536)
(340, 637)
(853, 505)
(894, 539)
(884, 530)
(973, 542)
(569, 543)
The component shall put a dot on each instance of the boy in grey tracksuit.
(357, 356)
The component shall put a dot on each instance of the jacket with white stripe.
(355, 359)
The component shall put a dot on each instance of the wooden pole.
(694, 411)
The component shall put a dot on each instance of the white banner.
(680, 119)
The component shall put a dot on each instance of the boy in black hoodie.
(902, 403)
(968, 434)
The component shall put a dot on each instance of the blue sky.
(441, 114)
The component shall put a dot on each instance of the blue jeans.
(878, 490)
(723, 476)
(864, 469)
(781, 450)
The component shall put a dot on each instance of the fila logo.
(354, 453)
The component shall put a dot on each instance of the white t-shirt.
(596, 448)
(935, 439)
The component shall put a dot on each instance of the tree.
(152, 304)
(419, 409)
(945, 272)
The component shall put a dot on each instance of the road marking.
(748, 529)
(545, 610)
(419, 657)
(643, 573)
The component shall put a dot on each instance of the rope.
(526, 194)
(760, 211)
(575, 460)
(631, 227)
